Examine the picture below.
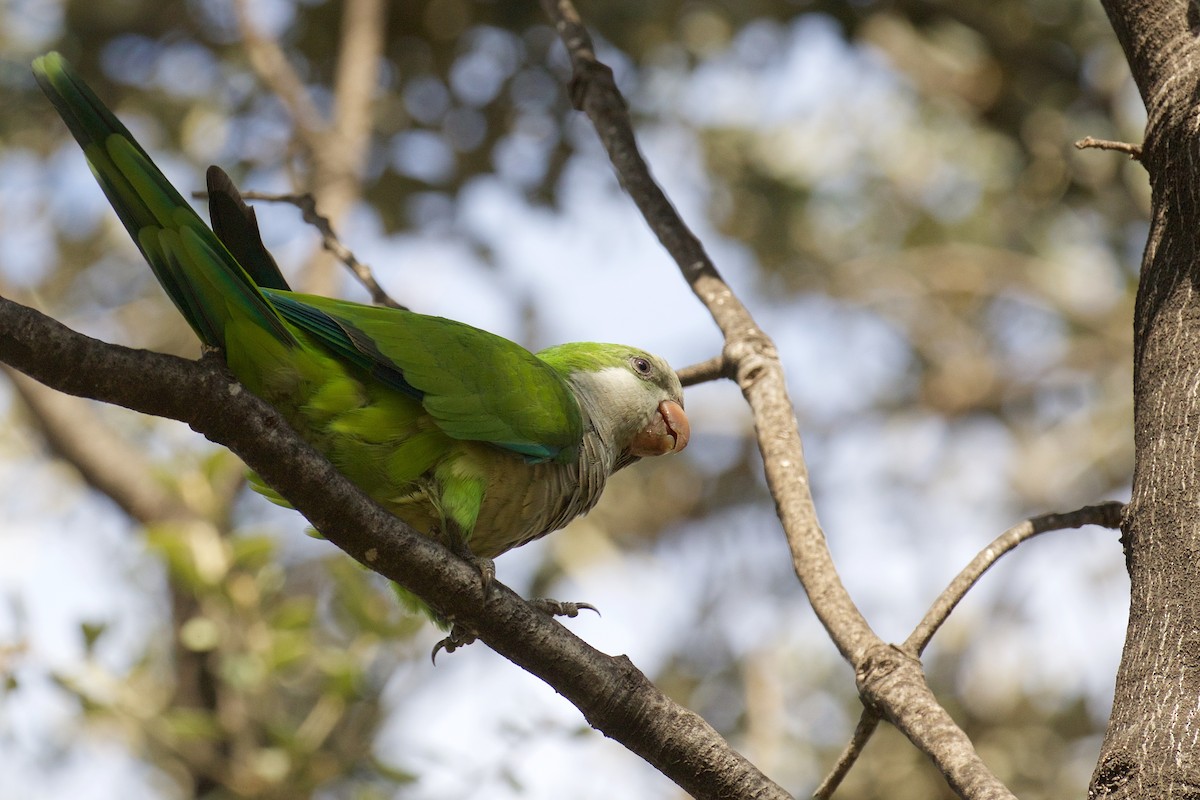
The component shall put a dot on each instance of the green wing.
(476, 385)
(202, 278)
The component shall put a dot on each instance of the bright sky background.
(906, 501)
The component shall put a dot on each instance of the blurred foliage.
(958, 213)
(291, 664)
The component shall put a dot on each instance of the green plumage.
(458, 431)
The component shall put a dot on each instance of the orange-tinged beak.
(668, 432)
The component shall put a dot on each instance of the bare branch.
(105, 460)
(890, 683)
(749, 353)
(713, 369)
(612, 693)
(336, 147)
(1134, 151)
(271, 64)
(329, 240)
(867, 724)
(1107, 515)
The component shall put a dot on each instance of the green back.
(478, 386)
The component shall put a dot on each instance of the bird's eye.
(641, 365)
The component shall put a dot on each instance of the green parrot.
(463, 434)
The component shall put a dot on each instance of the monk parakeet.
(461, 433)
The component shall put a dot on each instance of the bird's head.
(633, 398)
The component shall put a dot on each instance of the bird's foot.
(560, 608)
(456, 540)
(487, 570)
(459, 637)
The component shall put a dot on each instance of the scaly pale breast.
(525, 501)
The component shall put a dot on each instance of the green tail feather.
(203, 279)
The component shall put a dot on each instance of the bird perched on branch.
(462, 434)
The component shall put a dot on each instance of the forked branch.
(902, 696)
(1106, 515)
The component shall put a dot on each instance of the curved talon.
(561, 608)
(459, 637)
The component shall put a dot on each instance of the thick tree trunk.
(1152, 747)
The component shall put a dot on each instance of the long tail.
(203, 279)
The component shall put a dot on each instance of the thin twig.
(1107, 515)
(1134, 151)
(867, 724)
(329, 240)
(713, 369)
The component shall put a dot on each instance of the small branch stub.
(1134, 151)
(713, 369)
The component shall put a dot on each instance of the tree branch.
(1134, 151)
(893, 687)
(1107, 515)
(749, 354)
(329, 240)
(892, 684)
(713, 369)
(612, 693)
(105, 460)
(1149, 745)
(868, 722)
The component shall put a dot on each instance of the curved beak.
(668, 432)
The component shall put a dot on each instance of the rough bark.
(1152, 745)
